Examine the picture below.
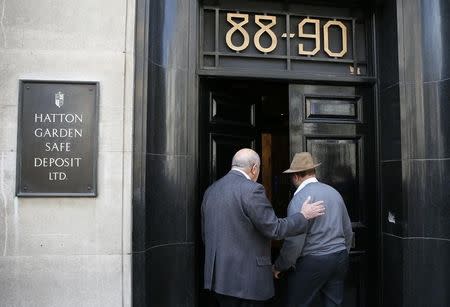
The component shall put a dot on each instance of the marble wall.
(414, 65)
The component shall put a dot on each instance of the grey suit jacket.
(326, 234)
(238, 223)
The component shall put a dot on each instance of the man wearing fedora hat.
(238, 223)
(318, 259)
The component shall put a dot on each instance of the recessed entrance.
(277, 119)
(252, 114)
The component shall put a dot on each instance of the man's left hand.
(312, 210)
(276, 273)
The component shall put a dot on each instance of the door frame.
(140, 121)
(326, 80)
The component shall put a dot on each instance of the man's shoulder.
(296, 202)
(319, 186)
(251, 186)
(233, 178)
(317, 190)
(321, 189)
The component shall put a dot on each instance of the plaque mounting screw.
(89, 187)
(25, 188)
(27, 87)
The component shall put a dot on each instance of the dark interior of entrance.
(249, 114)
(278, 119)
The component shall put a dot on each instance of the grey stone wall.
(68, 251)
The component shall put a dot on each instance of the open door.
(228, 114)
(229, 123)
(252, 114)
(335, 124)
(237, 114)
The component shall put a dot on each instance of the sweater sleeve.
(292, 246)
(347, 227)
(290, 252)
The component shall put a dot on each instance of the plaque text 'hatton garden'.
(57, 142)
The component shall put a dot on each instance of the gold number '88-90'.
(267, 28)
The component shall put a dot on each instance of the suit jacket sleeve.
(203, 224)
(260, 212)
(202, 215)
(292, 246)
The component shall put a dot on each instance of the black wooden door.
(229, 123)
(228, 116)
(335, 124)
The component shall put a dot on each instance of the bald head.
(245, 158)
(248, 161)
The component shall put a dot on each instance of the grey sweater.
(326, 234)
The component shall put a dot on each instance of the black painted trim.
(377, 132)
(287, 76)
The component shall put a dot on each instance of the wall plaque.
(57, 139)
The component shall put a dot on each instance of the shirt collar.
(304, 183)
(242, 172)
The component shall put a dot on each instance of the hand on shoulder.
(312, 210)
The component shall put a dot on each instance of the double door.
(333, 123)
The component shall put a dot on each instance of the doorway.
(252, 114)
(278, 119)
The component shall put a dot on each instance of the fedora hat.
(302, 161)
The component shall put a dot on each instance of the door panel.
(340, 167)
(236, 114)
(222, 149)
(335, 124)
(231, 125)
(227, 110)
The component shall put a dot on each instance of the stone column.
(165, 170)
(416, 171)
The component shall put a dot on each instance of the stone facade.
(68, 251)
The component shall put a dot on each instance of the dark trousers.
(231, 301)
(318, 275)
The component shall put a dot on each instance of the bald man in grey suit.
(238, 223)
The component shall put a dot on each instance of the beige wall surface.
(68, 251)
